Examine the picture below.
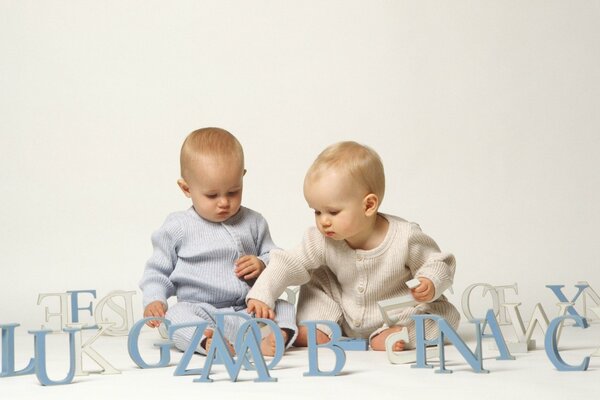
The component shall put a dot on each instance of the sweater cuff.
(438, 284)
(261, 296)
(151, 294)
(265, 258)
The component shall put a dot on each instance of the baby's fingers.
(423, 292)
(244, 271)
(265, 312)
(252, 275)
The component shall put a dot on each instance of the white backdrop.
(484, 112)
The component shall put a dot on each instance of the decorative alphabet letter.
(313, 348)
(63, 314)
(249, 344)
(466, 299)
(502, 319)
(75, 306)
(490, 320)
(446, 331)
(8, 353)
(125, 312)
(591, 294)
(133, 348)
(87, 348)
(39, 346)
(557, 290)
(551, 344)
(189, 352)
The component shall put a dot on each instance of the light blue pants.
(184, 312)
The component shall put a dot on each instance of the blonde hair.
(361, 162)
(213, 142)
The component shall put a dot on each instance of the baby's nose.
(223, 202)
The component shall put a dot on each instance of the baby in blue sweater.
(209, 255)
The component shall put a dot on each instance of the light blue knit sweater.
(193, 258)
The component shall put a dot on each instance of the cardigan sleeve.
(264, 243)
(289, 268)
(155, 282)
(426, 260)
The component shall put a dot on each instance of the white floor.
(366, 375)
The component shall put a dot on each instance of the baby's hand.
(425, 291)
(249, 267)
(155, 309)
(260, 309)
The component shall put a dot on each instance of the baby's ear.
(184, 187)
(371, 204)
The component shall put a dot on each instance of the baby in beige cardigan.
(356, 257)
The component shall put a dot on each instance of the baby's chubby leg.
(268, 344)
(183, 313)
(441, 308)
(285, 318)
(377, 341)
(207, 342)
(302, 338)
(319, 300)
(284, 315)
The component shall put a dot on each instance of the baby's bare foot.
(208, 341)
(378, 342)
(268, 345)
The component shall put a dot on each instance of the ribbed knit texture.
(344, 285)
(185, 313)
(193, 258)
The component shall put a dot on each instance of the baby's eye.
(211, 196)
(232, 193)
(334, 213)
(317, 212)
